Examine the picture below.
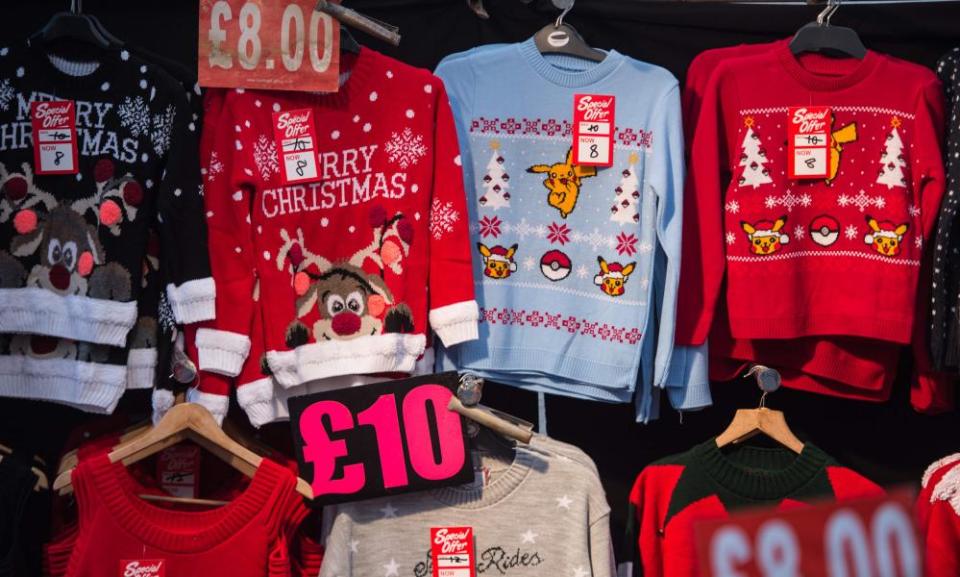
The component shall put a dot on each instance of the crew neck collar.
(838, 74)
(361, 68)
(586, 72)
(183, 531)
(473, 496)
(760, 473)
(63, 67)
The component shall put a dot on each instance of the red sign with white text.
(268, 44)
(858, 538)
(452, 552)
(380, 439)
(808, 142)
(143, 568)
(296, 139)
(593, 125)
(54, 137)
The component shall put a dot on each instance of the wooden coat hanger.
(184, 421)
(42, 481)
(748, 423)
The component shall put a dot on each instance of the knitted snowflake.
(265, 157)
(7, 94)
(162, 128)
(443, 218)
(405, 148)
(134, 115)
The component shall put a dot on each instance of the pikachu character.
(885, 237)
(613, 276)
(498, 261)
(563, 181)
(766, 237)
(838, 138)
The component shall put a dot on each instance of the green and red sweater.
(704, 482)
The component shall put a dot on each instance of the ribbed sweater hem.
(92, 387)
(41, 312)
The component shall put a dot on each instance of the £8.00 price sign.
(268, 44)
(386, 438)
(869, 538)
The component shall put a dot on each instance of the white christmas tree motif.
(216, 167)
(265, 157)
(162, 127)
(731, 237)
(892, 161)
(7, 94)
(134, 115)
(733, 207)
(624, 209)
(495, 181)
(788, 201)
(799, 232)
(443, 218)
(752, 159)
(850, 232)
(405, 148)
(861, 201)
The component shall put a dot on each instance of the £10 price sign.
(865, 538)
(385, 438)
(268, 44)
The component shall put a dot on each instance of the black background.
(887, 442)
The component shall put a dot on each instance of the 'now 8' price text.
(386, 438)
(279, 45)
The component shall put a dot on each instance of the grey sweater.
(544, 514)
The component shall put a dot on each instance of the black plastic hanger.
(348, 43)
(72, 25)
(823, 38)
(560, 38)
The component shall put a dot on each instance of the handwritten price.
(238, 37)
(419, 442)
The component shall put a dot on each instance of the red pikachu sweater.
(351, 269)
(784, 279)
(707, 483)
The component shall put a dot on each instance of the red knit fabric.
(237, 539)
(340, 265)
(938, 517)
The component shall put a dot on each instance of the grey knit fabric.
(544, 514)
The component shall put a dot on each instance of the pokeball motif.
(555, 265)
(824, 230)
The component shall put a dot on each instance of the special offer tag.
(452, 552)
(143, 568)
(54, 137)
(178, 469)
(297, 145)
(593, 116)
(808, 142)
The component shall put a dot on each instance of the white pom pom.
(868, 239)
(598, 280)
(513, 267)
(784, 239)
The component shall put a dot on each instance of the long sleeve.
(224, 344)
(453, 310)
(183, 232)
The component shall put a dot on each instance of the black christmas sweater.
(75, 249)
(945, 291)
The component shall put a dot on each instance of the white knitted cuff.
(257, 399)
(216, 404)
(193, 301)
(456, 323)
(222, 352)
(162, 402)
(141, 368)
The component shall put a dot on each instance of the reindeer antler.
(308, 257)
(32, 195)
(378, 251)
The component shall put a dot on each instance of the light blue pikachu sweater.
(576, 268)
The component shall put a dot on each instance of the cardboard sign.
(380, 439)
(296, 139)
(272, 45)
(808, 142)
(143, 568)
(593, 124)
(54, 137)
(452, 552)
(859, 538)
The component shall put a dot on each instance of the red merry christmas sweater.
(351, 269)
(838, 256)
(705, 483)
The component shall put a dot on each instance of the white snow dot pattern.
(143, 84)
(428, 88)
(367, 127)
(266, 255)
(324, 222)
(177, 192)
(374, 96)
(276, 107)
(335, 135)
(124, 55)
(105, 86)
(410, 113)
(21, 72)
(415, 188)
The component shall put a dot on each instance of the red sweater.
(938, 516)
(844, 284)
(117, 530)
(352, 269)
(703, 483)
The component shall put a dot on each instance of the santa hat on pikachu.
(499, 253)
(614, 270)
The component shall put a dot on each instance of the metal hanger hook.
(763, 400)
(563, 15)
(823, 18)
(76, 6)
